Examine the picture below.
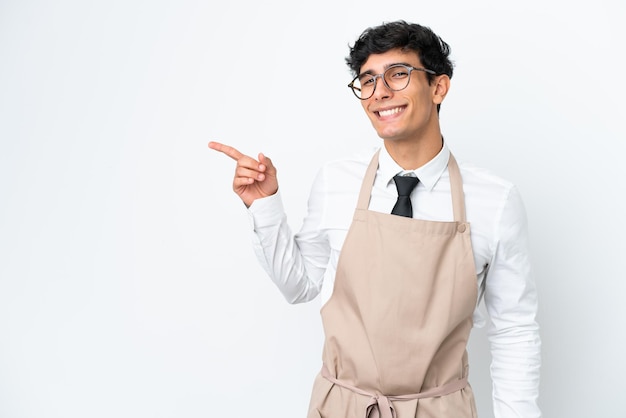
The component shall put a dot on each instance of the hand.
(253, 179)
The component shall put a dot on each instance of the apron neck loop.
(456, 187)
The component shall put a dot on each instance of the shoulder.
(488, 195)
(494, 208)
(484, 182)
(336, 188)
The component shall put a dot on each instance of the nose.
(381, 91)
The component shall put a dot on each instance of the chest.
(432, 205)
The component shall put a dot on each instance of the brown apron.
(397, 323)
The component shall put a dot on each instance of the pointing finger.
(226, 149)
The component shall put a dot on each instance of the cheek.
(370, 115)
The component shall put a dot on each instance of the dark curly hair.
(432, 51)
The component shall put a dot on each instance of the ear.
(440, 88)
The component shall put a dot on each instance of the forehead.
(377, 63)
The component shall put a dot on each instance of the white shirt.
(303, 266)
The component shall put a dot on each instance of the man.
(400, 290)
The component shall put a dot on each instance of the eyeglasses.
(396, 78)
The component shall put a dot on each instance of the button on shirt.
(303, 265)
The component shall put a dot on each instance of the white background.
(128, 286)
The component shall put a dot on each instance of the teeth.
(389, 112)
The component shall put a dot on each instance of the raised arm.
(295, 265)
(254, 179)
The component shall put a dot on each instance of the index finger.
(226, 149)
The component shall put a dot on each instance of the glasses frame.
(409, 68)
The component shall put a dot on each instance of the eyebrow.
(370, 72)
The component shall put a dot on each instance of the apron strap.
(456, 187)
(368, 181)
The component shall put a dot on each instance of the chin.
(389, 135)
(385, 132)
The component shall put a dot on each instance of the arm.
(511, 301)
(295, 264)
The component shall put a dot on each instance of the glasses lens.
(398, 77)
(363, 86)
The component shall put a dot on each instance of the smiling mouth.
(389, 112)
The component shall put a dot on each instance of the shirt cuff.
(266, 211)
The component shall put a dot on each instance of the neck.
(411, 155)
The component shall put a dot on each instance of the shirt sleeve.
(511, 302)
(295, 263)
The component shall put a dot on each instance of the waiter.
(403, 245)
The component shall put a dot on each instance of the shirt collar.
(428, 174)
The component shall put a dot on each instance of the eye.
(398, 72)
(366, 80)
